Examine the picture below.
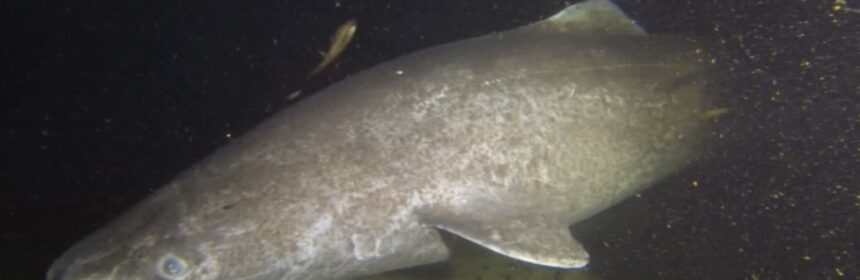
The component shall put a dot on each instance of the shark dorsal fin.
(590, 17)
(529, 237)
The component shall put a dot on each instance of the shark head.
(145, 257)
(154, 241)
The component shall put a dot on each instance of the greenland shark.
(505, 140)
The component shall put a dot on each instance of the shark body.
(505, 140)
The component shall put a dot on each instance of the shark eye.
(171, 267)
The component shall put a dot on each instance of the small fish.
(339, 41)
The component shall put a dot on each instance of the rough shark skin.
(505, 140)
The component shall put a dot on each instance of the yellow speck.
(839, 5)
(805, 64)
(714, 113)
(694, 184)
(709, 115)
(806, 258)
(294, 95)
(839, 272)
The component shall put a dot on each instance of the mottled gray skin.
(505, 140)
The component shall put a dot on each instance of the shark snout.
(100, 265)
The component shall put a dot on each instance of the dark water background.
(105, 101)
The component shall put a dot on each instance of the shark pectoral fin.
(531, 238)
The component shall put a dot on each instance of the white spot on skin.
(423, 107)
(322, 225)
(495, 236)
(307, 244)
(357, 244)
